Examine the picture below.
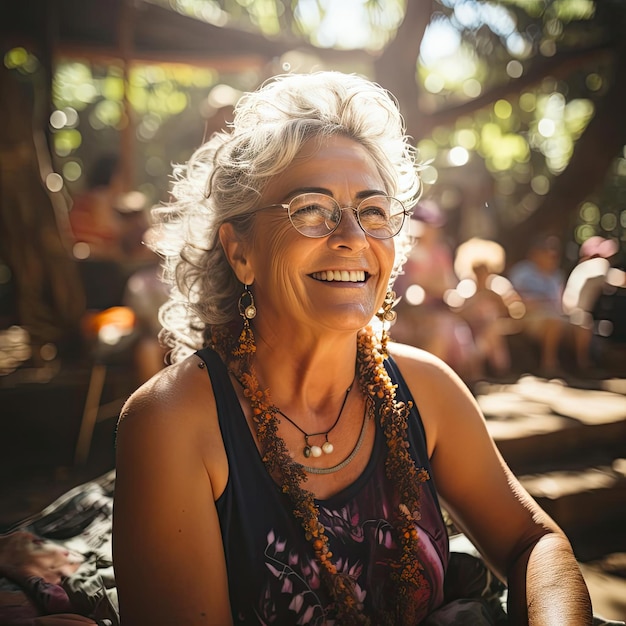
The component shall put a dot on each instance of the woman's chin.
(347, 320)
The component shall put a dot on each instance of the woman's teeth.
(345, 276)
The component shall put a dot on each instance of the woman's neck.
(306, 375)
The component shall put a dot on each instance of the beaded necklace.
(379, 391)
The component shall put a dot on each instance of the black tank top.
(273, 577)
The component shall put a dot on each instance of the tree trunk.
(396, 68)
(48, 294)
(594, 153)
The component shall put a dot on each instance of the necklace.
(327, 447)
(335, 468)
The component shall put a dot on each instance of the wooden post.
(125, 34)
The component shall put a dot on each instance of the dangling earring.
(386, 315)
(246, 345)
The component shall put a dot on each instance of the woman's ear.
(236, 253)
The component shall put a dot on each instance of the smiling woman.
(287, 467)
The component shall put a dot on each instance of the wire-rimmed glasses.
(318, 214)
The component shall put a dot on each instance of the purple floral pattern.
(364, 548)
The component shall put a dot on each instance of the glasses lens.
(381, 216)
(314, 214)
(317, 215)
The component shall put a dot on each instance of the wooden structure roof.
(144, 31)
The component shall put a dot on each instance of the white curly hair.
(225, 177)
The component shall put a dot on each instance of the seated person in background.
(425, 319)
(540, 282)
(489, 302)
(145, 293)
(288, 467)
(94, 219)
(586, 281)
(592, 277)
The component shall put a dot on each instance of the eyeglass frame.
(287, 205)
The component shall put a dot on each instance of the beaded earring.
(386, 315)
(246, 345)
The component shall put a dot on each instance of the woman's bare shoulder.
(428, 377)
(415, 362)
(174, 414)
(181, 390)
(440, 395)
(170, 424)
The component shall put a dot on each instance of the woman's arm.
(515, 536)
(546, 585)
(167, 547)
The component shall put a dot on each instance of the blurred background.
(517, 108)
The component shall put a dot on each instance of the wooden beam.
(126, 25)
(223, 63)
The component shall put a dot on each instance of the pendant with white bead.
(327, 447)
(317, 451)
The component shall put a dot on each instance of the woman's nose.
(349, 232)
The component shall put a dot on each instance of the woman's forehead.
(327, 163)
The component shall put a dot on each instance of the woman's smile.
(342, 276)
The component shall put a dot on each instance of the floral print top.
(272, 574)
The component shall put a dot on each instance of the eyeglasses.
(319, 215)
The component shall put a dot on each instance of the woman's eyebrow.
(366, 193)
(370, 192)
(300, 190)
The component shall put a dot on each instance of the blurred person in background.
(540, 281)
(425, 319)
(95, 222)
(97, 230)
(594, 281)
(120, 274)
(489, 302)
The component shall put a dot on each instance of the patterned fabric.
(21, 602)
(273, 577)
(79, 520)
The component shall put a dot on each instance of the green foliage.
(524, 135)
(320, 22)
(527, 136)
